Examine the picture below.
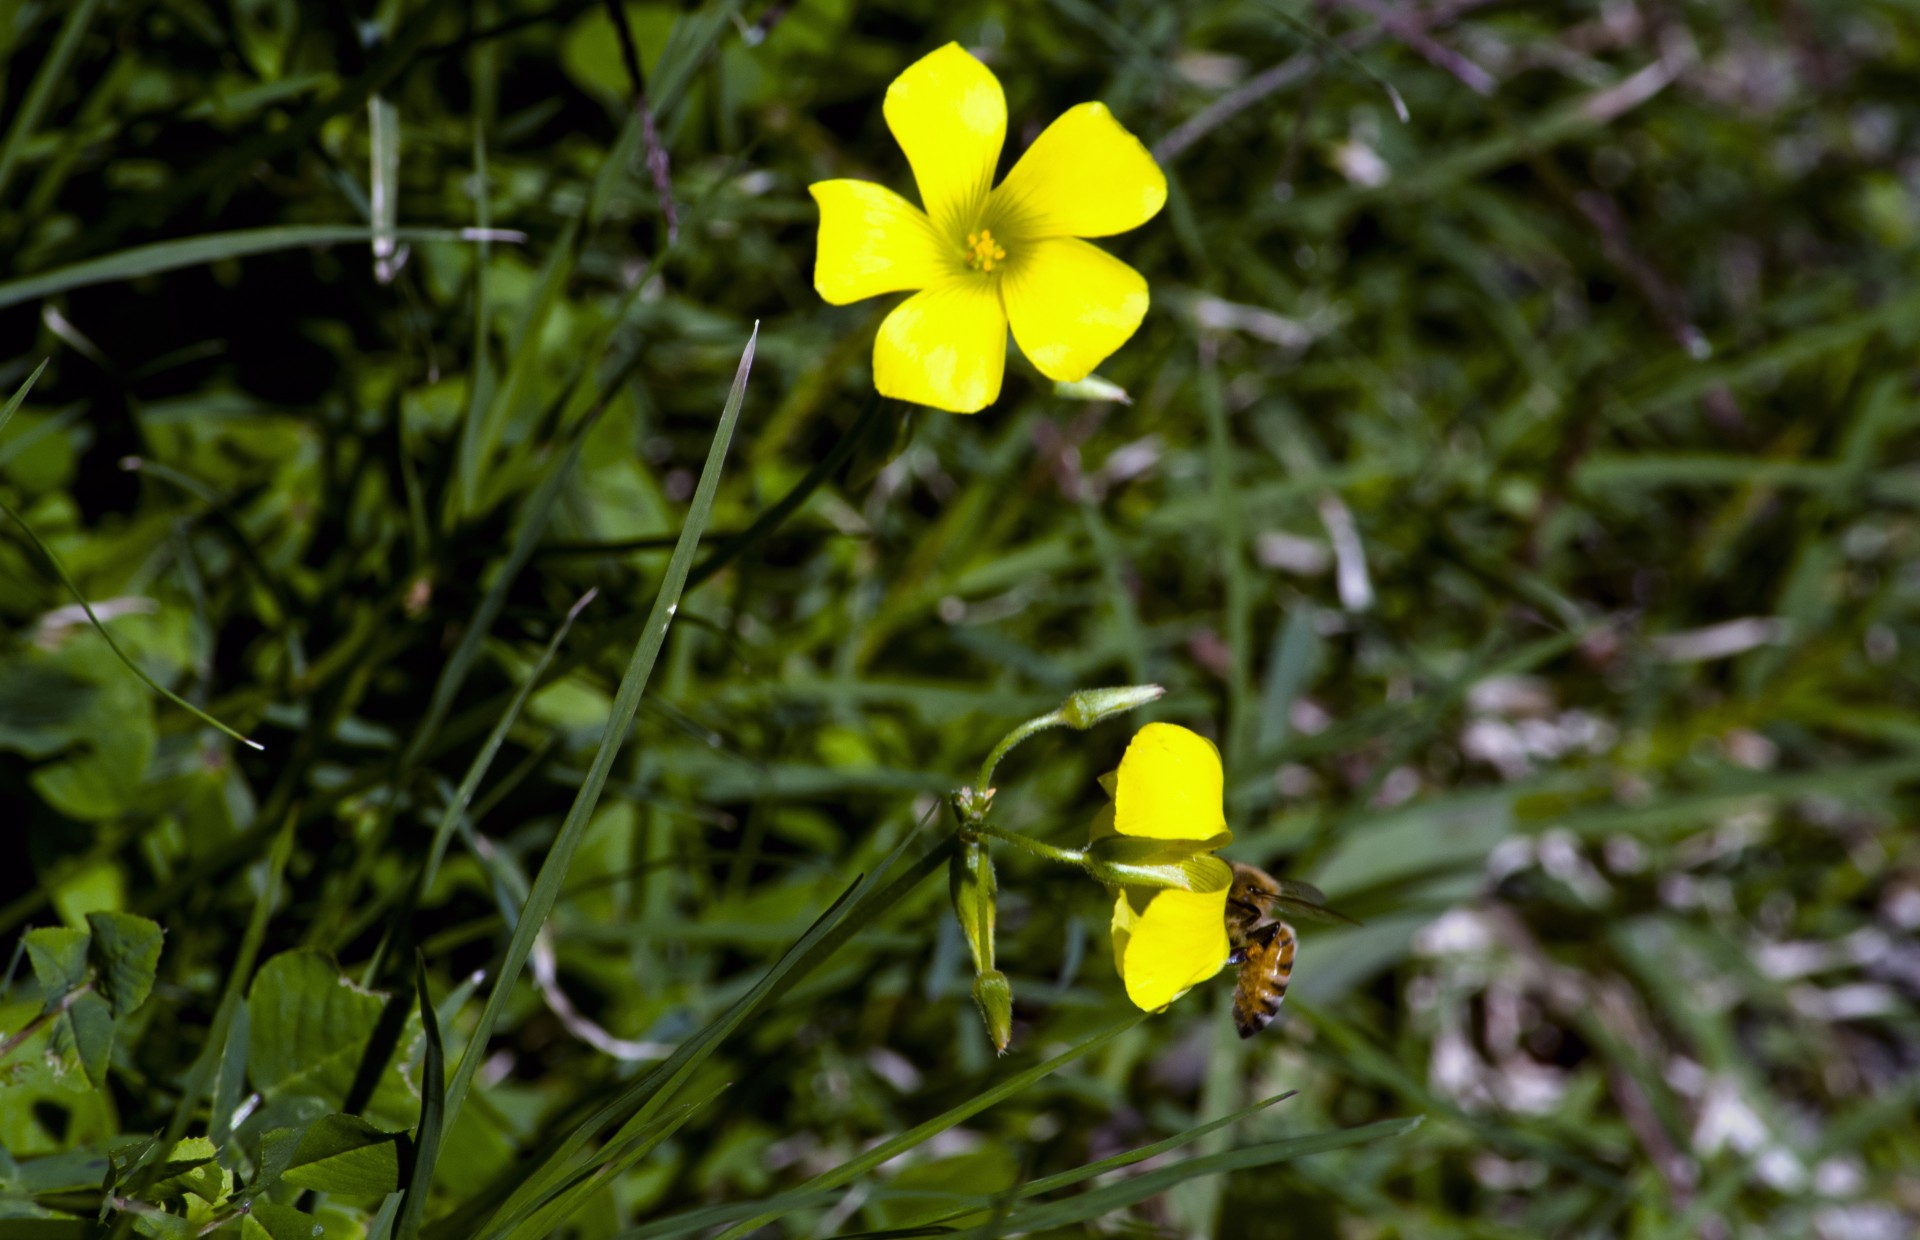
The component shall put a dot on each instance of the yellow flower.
(1165, 940)
(979, 258)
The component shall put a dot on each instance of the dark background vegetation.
(1523, 494)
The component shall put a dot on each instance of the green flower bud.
(994, 996)
(970, 879)
(1086, 707)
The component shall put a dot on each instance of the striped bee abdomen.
(1266, 968)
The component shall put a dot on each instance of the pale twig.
(546, 977)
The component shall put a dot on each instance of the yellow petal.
(872, 241)
(1170, 786)
(1166, 942)
(945, 347)
(1071, 305)
(949, 115)
(1086, 176)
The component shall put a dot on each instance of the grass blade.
(146, 260)
(854, 1168)
(553, 871)
(1105, 1200)
(490, 749)
(14, 401)
(53, 71)
(637, 1105)
(433, 1095)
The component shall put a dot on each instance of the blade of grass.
(553, 870)
(490, 749)
(161, 256)
(1087, 1171)
(636, 1105)
(1103, 1201)
(53, 71)
(767, 521)
(14, 401)
(565, 1202)
(856, 1167)
(433, 1094)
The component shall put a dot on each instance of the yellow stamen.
(981, 252)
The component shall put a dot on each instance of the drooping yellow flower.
(1169, 787)
(978, 258)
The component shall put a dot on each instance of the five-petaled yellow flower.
(980, 258)
(1169, 787)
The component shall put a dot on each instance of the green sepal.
(1086, 707)
(1178, 865)
(993, 994)
(971, 882)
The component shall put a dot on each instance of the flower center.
(983, 251)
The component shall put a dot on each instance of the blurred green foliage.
(1523, 494)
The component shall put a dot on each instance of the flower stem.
(1066, 856)
(1052, 719)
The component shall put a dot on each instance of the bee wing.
(1300, 900)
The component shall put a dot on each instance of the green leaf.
(60, 571)
(277, 1148)
(269, 1220)
(310, 1028)
(125, 952)
(43, 708)
(163, 1226)
(87, 1028)
(59, 958)
(187, 1168)
(345, 1154)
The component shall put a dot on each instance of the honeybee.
(1263, 945)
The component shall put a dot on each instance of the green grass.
(1522, 494)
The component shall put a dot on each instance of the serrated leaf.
(309, 1030)
(59, 956)
(345, 1154)
(125, 952)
